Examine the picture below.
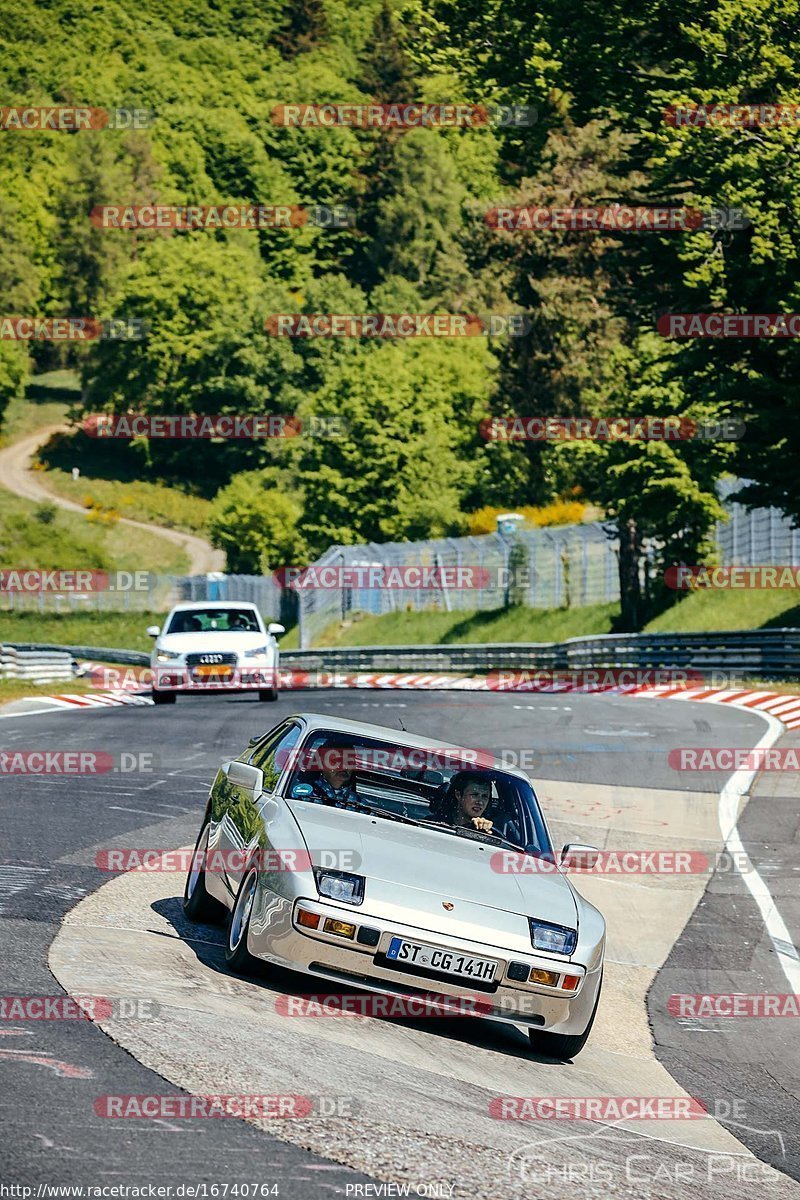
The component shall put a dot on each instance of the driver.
(335, 783)
(468, 797)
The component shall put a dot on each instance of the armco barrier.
(42, 664)
(109, 654)
(766, 654)
(762, 653)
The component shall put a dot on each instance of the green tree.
(387, 72)
(403, 468)
(256, 524)
(418, 221)
(659, 495)
(202, 304)
(14, 372)
(305, 25)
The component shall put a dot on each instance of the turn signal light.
(342, 928)
(310, 919)
(550, 978)
(571, 982)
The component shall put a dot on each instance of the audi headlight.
(339, 885)
(166, 655)
(558, 939)
(256, 653)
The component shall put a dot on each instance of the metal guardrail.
(461, 658)
(42, 664)
(110, 654)
(727, 655)
(763, 653)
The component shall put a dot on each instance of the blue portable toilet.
(216, 585)
(509, 523)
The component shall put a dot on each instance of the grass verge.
(706, 611)
(501, 625)
(120, 629)
(21, 689)
(42, 536)
(45, 404)
(699, 612)
(125, 630)
(138, 499)
(109, 470)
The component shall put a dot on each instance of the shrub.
(45, 513)
(560, 512)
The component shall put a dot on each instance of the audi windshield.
(215, 620)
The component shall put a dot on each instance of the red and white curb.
(89, 699)
(785, 708)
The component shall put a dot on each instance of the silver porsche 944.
(401, 866)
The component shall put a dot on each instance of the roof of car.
(400, 737)
(188, 605)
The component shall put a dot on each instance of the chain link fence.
(561, 567)
(542, 568)
(148, 593)
(760, 537)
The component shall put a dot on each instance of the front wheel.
(268, 694)
(163, 697)
(237, 956)
(197, 903)
(561, 1045)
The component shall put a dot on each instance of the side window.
(268, 742)
(271, 756)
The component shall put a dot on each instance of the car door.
(238, 810)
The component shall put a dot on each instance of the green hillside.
(565, 112)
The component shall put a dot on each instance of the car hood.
(211, 642)
(411, 872)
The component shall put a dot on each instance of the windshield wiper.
(387, 813)
(472, 834)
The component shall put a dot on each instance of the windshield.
(438, 788)
(220, 620)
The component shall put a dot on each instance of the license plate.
(216, 671)
(435, 958)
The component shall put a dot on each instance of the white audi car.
(215, 647)
(401, 866)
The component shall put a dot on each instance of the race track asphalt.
(52, 825)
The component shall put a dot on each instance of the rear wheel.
(268, 694)
(197, 903)
(163, 697)
(561, 1045)
(237, 956)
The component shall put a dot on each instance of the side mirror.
(578, 857)
(247, 777)
(153, 631)
(275, 629)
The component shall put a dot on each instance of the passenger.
(335, 784)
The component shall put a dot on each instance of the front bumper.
(180, 678)
(276, 937)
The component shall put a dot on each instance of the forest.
(601, 107)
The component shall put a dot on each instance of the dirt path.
(16, 475)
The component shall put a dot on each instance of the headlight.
(166, 655)
(556, 938)
(256, 653)
(338, 885)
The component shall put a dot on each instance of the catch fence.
(559, 567)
